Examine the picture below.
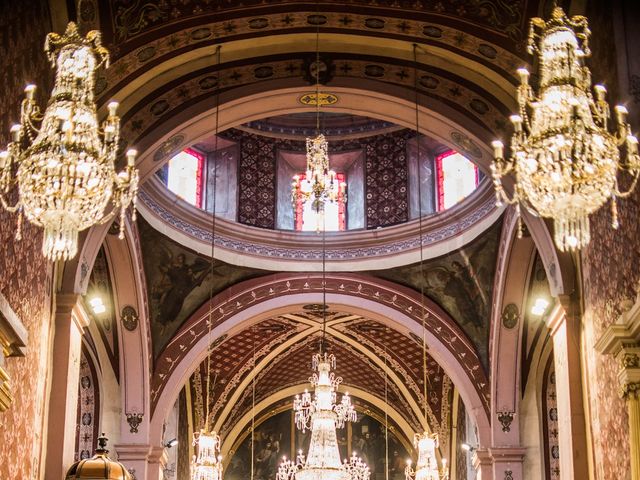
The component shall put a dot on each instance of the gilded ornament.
(65, 160)
(564, 157)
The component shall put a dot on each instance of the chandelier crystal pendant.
(319, 184)
(207, 464)
(65, 166)
(322, 414)
(427, 464)
(563, 155)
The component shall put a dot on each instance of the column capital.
(507, 454)
(133, 451)
(480, 458)
(556, 318)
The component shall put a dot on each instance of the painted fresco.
(461, 283)
(273, 440)
(179, 281)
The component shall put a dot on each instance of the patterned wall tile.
(386, 187)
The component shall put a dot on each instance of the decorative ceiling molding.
(161, 102)
(348, 251)
(248, 296)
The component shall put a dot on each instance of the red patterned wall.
(24, 274)
(611, 271)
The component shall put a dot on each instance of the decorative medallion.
(505, 419)
(316, 19)
(134, 420)
(114, 228)
(314, 68)
(312, 99)
(168, 147)
(468, 146)
(201, 33)
(376, 23)
(431, 31)
(487, 50)
(129, 318)
(510, 316)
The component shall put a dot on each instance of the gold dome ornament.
(99, 467)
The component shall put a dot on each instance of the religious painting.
(179, 281)
(276, 437)
(460, 282)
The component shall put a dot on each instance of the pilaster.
(507, 462)
(622, 340)
(70, 320)
(572, 438)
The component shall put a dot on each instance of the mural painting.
(273, 441)
(461, 283)
(179, 281)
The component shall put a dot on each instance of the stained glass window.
(308, 220)
(457, 177)
(184, 176)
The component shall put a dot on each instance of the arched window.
(184, 176)
(308, 220)
(457, 177)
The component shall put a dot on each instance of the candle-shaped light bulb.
(15, 132)
(621, 114)
(632, 143)
(131, 157)
(112, 107)
(3, 158)
(600, 92)
(523, 73)
(517, 122)
(30, 91)
(498, 148)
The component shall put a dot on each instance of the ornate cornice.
(288, 250)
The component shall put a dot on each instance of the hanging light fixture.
(65, 167)
(319, 184)
(322, 414)
(207, 463)
(563, 155)
(426, 443)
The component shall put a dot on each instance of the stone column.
(572, 438)
(622, 340)
(70, 320)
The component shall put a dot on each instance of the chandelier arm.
(7, 207)
(625, 194)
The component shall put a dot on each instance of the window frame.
(440, 177)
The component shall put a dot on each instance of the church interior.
(319, 240)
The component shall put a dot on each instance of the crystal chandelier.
(207, 464)
(319, 184)
(427, 464)
(564, 158)
(65, 167)
(322, 415)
